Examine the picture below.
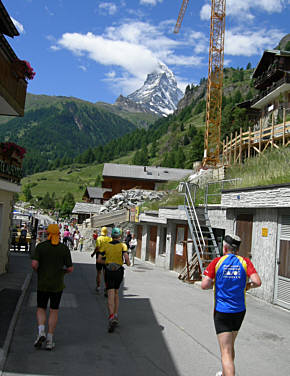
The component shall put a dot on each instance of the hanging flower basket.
(12, 153)
(23, 69)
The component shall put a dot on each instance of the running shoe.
(111, 325)
(98, 289)
(50, 345)
(219, 373)
(116, 320)
(39, 340)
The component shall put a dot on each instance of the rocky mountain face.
(159, 94)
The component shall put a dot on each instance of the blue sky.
(96, 50)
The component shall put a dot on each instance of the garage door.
(180, 254)
(152, 243)
(139, 241)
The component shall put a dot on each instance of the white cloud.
(150, 2)
(205, 12)
(111, 74)
(54, 48)
(109, 7)
(48, 11)
(136, 48)
(249, 43)
(242, 9)
(18, 25)
(83, 68)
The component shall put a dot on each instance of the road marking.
(21, 374)
(67, 300)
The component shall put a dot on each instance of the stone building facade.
(260, 216)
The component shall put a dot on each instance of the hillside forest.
(174, 141)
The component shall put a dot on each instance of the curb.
(9, 336)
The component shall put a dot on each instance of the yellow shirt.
(113, 252)
(101, 240)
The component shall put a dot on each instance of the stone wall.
(278, 196)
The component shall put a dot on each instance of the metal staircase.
(205, 247)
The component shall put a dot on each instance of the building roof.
(144, 172)
(96, 192)
(6, 24)
(86, 208)
(266, 59)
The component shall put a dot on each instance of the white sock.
(49, 337)
(41, 328)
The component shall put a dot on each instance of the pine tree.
(27, 193)
(154, 149)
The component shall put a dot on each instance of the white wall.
(264, 251)
(6, 207)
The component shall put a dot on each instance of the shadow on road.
(83, 345)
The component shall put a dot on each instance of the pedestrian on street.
(76, 239)
(128, 238)
(133, 245)
(81, 243)
(115, 253)
(95, 237)
(23, 238)
(228, 274)
(52, 260)
(101, 240)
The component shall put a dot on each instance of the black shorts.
(228, 322)
(44, 296)
(100, 266)
(114, 279)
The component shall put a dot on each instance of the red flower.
(9, 147)
(24, 69)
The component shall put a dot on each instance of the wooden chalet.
(95, 195)
(12, 84)
(118, 177)
(12, 101)
(268, 111)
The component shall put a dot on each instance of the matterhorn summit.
(160, 93)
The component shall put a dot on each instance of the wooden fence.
(243, 145)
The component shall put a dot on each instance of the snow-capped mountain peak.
(160, 93)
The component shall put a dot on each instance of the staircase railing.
(193, 221)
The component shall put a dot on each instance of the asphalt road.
(166, 328)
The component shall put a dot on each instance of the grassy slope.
(62, 182)
(270, 168)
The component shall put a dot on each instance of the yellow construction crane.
(212, 140)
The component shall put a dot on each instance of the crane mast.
(215, 79)
(215, 84)
(180, 16)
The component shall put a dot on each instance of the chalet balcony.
(272, 92)
(11, 158)
(12, 85)
(10, 172)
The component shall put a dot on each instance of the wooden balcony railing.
(12, 88)
(243, 145)
(10, 171)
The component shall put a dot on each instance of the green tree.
(287, 47)
(179, 158)
(67, 204)
(27, 193)
(154, 149)
(98, 181)
(249, 66)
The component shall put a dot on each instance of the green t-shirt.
(52, 260)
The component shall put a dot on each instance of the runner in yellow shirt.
(115, 253)
(101, 240)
